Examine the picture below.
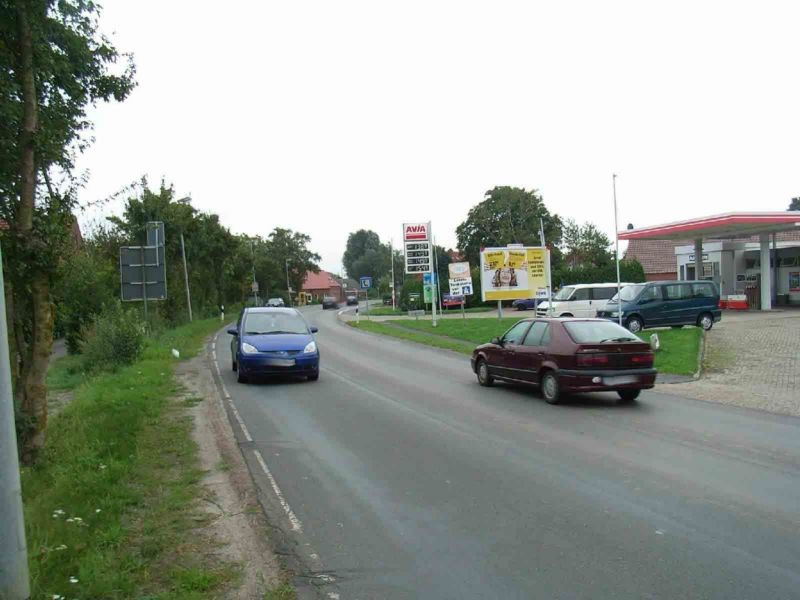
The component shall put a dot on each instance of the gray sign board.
(142, 268)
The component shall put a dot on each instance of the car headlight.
(310, 348)
(249, 349)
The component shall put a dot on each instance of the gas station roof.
(728, 225)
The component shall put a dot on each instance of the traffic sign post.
(460, 282)
(366, 285)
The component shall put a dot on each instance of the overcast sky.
(331, 116)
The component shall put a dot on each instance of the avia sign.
(416, 232)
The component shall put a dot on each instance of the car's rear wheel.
(565, 315)
(484, 377)
(550, 388)
(634, 324)
(706, 321)
(628, 396)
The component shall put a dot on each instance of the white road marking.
(225, 391)
(214, 354)
(240, 421)
(333, 595)
(296, 525)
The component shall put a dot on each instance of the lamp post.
(255, 283)
(616, 244)
(185, 201)
(288, 285)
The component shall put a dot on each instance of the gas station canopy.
(726, 226)
(729, 225)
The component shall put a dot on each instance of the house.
(657, 257)
(322, 284)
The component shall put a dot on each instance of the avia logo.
(415, 231)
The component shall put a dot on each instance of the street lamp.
(185, 201)
(288, 285)
(255, 283)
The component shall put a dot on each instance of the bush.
(115, 338)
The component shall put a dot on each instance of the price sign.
(418, 257)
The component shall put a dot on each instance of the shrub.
(114, 338)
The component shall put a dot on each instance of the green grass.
(120, 457)
(282, 592)
(387, 311)
(65, 373)
(678, 354)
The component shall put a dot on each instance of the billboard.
(416, 232)
(513, 273)
(460, 279)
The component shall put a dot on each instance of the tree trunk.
(31, 388)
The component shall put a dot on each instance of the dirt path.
(238, 532)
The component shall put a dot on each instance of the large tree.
(585, 245)
(366, 256)
(794, 204)
(53, 64)
(507, 215)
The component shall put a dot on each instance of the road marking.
(296, 525)
(225, 391)
(214, 354)
(240, 421)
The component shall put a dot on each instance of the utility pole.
(391, 251)
(288, 284)
(255, 283)
(616, 244)
(433, 277)
(186, 279)
(13, 551)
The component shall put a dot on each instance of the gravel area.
(753, 361)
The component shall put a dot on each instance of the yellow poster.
(512, 273)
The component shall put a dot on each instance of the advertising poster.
(794, 281)
(460, 279)
(513, 273)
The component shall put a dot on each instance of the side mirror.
(497, 341)
(233, 331)
(314, 329)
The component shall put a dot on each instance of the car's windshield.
(564, 293)
(598, 332)
(256, 323)
(628, 293)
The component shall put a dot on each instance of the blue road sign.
(366, 282)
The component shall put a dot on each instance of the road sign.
(365, 282)
(254, 287)
(142, 269)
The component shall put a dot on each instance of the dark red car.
(568, 355)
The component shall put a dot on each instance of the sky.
(331, 116)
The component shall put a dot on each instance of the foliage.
(585, 245)
(366, 256)
(794, 204)
(121, 457)
(507, 215)
(630, 270)
(114, 338)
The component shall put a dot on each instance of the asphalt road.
(408, 480)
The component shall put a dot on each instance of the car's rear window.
(597, 332)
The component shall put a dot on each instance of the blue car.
(273, 341)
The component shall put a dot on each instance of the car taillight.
(644, 360)
(592, 360)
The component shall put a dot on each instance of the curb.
(701, 353)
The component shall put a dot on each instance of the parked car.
(387, 300)
(329, 302)
(273, 341)
(563, 355)
(352, 301)
(448, 300)
(276, 302)
(666, 303)
(524, 304)
(580, 300)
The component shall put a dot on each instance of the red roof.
(728, 225)
(319, 281)
(655, 256)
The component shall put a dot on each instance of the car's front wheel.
(484, 377)
(241, 377)
(706, 321)
(634, 324)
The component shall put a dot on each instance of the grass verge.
(386, 311)
(678, 354)
(111, 508)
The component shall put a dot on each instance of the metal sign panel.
(155, 233)
(418, 257)
(512, 273)
(460, 279)
(365, 282)
(142, 268)
(416, 232)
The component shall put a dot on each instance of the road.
(405, 479)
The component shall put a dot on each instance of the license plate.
(620, 380)
(280, 362)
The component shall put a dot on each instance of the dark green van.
(666, 304)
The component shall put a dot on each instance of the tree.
(795, 204)
(289, 249)
(585, 245)
(507, 215)
(366, 256)
(53, 64)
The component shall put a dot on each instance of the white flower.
(61, 547)
(58, 597)
(73, 579)
(70, 520)
(96, 510)
(102, 467)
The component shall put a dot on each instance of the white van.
(580, 300)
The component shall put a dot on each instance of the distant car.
(387, 300)
(666, 303)
(564, 355)
(329, 302)
(580, 300)
(448, 300)
(273, 341)
(352, 301)
(276, 302)
(524, 304)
